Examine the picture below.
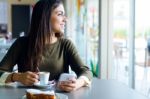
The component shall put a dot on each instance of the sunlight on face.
(58, 19)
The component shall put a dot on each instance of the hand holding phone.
(67, 76)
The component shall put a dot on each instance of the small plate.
(49, 85)
(58, 96)
(43, 86)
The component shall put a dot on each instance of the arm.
(3, 77)
(27, 78)
(11, 57)
(8, 62)
(77, 64)
(83, 73)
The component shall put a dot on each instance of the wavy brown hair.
(40, 31)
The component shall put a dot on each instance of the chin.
(61, 31)
(59, 34)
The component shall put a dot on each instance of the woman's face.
(58, 19)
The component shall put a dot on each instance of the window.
(83, 29)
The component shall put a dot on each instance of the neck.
(53, 39)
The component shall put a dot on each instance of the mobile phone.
(66, 77)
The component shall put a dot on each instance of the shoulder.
(66, 41)
(21, 41)
(68, 44)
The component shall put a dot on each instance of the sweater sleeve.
(76, 63)
(11, 57)
(3, 77)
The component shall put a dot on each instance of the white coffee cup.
(44, 77)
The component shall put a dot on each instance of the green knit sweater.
(56, 58)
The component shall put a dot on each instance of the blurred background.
(112, 36)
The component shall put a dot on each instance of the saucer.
(49, 85)
(43, 86)
(58, 96)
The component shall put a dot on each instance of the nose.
(65, 19)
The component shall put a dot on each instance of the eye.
(61, 14)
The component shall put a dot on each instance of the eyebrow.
(60, 12)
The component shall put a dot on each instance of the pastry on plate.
(38, 94)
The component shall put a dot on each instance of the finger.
(27, 82)
(68, 84)
(73, 80)
(33, 79)
(27, 79)
(30, 78)
(33, 75)
(67, 88)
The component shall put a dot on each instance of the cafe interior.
(115, 36)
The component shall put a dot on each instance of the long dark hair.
(40, 31)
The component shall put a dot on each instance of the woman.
(45, 49)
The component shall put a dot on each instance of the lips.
(62, 25)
